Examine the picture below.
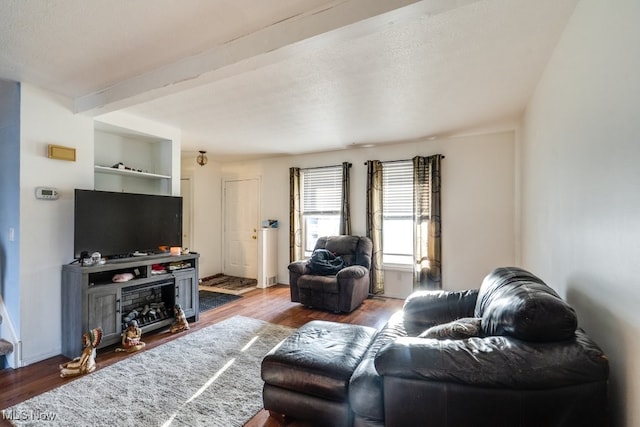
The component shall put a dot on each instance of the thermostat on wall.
(46, 193)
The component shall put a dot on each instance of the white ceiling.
(247, 78)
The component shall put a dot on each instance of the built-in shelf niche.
(147, 160)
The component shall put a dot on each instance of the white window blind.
(397, 189)
(321, 190)
(397, 212)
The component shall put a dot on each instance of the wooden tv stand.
(90, 298)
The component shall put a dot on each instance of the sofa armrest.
(496, 361)
(296, 270)
(351, 272)
(429, 308)
(299, 267)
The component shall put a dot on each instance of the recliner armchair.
(342, 292)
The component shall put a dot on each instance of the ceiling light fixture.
(202, 158)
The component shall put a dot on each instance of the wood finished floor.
(271, 305)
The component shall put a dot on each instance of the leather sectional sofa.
(527, 364)
(508, 354)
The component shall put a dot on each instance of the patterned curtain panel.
(295, 216)
(427, 238)
(374, 224)
(345, 208)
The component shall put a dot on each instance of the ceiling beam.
(344, 20)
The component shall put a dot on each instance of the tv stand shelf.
(90, 299)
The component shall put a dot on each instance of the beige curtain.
(374, 224)
(295, 216)
(345, 211)
(427, 238)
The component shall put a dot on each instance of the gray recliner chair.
(342, 292)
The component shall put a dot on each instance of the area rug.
(209, 377)
(229, 284)
(209, 300)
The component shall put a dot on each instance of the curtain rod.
(398, 161)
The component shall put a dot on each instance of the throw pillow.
(466, 327)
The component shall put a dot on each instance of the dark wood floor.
(272, 305)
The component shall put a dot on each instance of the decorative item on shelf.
(158, 269)
(202, 158)
(123, 167)
(93, 259)
(122, 277)
(86, 362)
(96, 257)
(178, 266)
(175, 250)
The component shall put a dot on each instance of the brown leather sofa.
(508, 354)
(342, 292)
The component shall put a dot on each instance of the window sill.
(397, 267)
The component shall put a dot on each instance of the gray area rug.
(210, 377)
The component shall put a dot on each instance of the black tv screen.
(120, 224)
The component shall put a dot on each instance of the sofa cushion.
(466, 327)
(319, 283)
(496, 361)
(514, 302)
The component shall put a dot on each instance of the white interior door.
(240, 252)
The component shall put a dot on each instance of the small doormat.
(229, 284)
(209, 300)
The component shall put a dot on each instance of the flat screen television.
(121, 224)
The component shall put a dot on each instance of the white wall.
(206, 212)
(46, 227)
(580, 185)
(478, 201)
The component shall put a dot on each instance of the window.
(321, 200)
(397, 209)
